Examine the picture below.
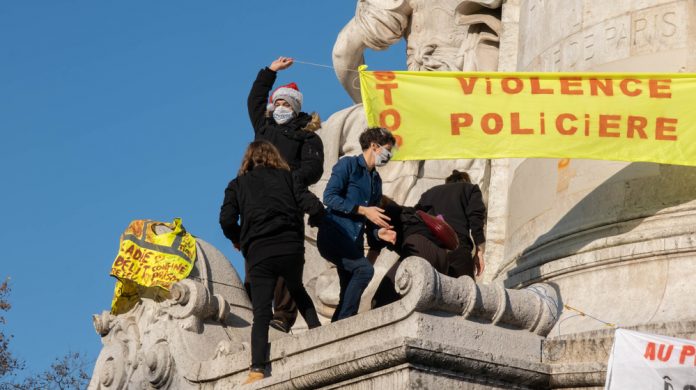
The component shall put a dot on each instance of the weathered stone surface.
(620, 231)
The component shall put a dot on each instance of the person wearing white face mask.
(277, 118)
(351, 197)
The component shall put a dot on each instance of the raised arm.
(377, 25)
(258, 96)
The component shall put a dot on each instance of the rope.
(324, 66)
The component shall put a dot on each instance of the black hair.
(378, 135)
(458, 177)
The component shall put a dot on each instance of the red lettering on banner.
(459, 120)
(687, 350)
(649, 351)
(561, 128)
(663, 126)
(395, 119)
(660, 89)
(390, 118)
(515, 125)
(569, 83)
(516, 87)
(606, 124)
(606, 85)
(387, 92)
(536, 87)
(636, 124)
(385, 76)
(138, 254)
(485, 123)
(664, 355)
(467, 84)
(623, 85)
(130, 250)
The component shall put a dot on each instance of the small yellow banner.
(604, 116)
(148, 263)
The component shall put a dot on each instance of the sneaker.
(280, 325)
(254, 376)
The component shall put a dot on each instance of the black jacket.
(461, 204)
(269, 203)
(301, 148)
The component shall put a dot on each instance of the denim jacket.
(351, 185)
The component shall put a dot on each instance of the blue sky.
(114, 111)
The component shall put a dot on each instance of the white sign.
(648, 361)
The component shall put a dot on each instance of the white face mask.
(382, 157)
(283, 114)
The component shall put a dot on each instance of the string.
(609, 324)
(581, 313)
(324, 66)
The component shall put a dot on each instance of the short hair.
(378, 135)
(458, 177)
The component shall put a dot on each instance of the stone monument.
(613, 240)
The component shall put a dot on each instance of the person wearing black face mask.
(277, 118)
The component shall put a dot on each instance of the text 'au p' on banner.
(604, 116)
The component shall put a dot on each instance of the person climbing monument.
(270, 204)
(432, 240)
(351, 197)
(277, 117)
(461, 204)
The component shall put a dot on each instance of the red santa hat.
(290, 93)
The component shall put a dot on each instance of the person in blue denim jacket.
(351, 198)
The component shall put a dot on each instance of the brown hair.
(458, 177)
(262, 153)
(377, 135)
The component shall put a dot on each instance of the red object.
(442, 231)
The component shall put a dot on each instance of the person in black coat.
(278, 119)
(271, 237)
(461, 205)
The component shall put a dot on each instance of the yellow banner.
(148, 263)
(605, 116)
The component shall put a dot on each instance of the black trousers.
(284, 308)
(454, 263)
(262, 278)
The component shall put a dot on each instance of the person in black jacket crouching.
(271, 237)
(278, 119)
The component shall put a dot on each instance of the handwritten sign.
(147, 259)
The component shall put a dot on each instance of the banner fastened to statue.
(647, 361)
(603, 116)
(148, 262)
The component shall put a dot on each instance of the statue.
(441, 35)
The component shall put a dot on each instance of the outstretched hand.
(387, 235)
(375, 215)
(281, 63)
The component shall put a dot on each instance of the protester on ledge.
(414, 238)
(271, 237)
(461, 205)
(279, 120)
(351, 197)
